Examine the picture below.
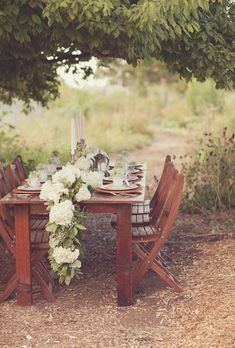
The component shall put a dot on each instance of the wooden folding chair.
(148, 239)
(20, 169)
(13, 180)
(39, 250)
(141, 211)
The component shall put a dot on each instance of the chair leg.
(166, 275)
(47, 290)
(140, 269)
(45, 273)
(156, 265)
(10, 287)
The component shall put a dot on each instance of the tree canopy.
(193, 37)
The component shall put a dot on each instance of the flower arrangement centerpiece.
(67, 187)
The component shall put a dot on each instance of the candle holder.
(73, 158)
(80, 149)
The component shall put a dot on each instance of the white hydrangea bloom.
(66, 255)
(62, 213)
(67, 175)
(76, 264)
(83, 194)
(52, 191)
(83, 163)
(93, 179)
(53, 242)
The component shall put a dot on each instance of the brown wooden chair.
(13, 180)
(39, 250)
(20, 169)
(149, 238)
(141, 211)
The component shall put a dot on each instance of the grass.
(126, 119)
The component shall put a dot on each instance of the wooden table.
(25, 205)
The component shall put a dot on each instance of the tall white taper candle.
(78, 126)
(73, 137)
(83, 126)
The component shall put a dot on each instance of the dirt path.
(164, 143)
(86, 315)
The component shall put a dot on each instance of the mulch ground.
(200, 252)
(85, 314)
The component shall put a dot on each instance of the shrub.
(204, 95)
(10, 146)
(210, 174)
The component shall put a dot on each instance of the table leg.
(124, 256)
(23, 254)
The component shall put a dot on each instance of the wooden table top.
(97, 197)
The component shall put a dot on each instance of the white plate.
(118, 187)
(130, 178)
(29, 188)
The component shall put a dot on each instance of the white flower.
(66, 255)
(52, 191)
(67, 175)
(83, 194)
(83, 163)
(53, 241)
(62, 213)
(93, 179)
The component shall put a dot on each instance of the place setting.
(123, 178)
(42, 173)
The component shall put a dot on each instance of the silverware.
(123, 194)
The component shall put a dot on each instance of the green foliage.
(201, 96)
(194, 38)
(69, 237)
(10, 145)
(210, 175)
(210, 51)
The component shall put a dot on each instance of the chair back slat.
(4, 185)
(12, 176)
(20, 169)
(4, 189)
(166, 184)
(170, 208)
(161, 181)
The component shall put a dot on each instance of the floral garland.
(72, 184)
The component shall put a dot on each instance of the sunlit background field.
(121, 118)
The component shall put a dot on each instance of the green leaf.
(67, 280)
(80, 227)
(36, 19)
(51, 228)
